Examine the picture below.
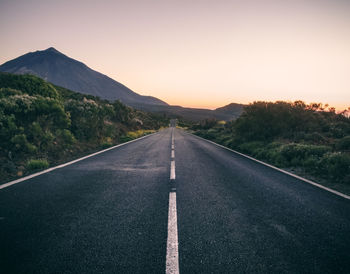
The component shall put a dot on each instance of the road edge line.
(69, 163)
(278, 169)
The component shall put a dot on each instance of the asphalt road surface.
(171, 203)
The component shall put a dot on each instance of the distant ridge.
(230, 109)
(226, 113)
(61, 70)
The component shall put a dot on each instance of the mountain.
(59, 69)
(232, 109)
(227, 113)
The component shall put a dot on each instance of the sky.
(196, 53)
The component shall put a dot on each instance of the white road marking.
(172, 139)
(67, 164)
(172, 170)
(172, 253)
(280, 170)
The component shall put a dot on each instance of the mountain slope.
(195, 114)
(233, 110)
(59, 69)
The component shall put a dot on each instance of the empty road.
(171, 203)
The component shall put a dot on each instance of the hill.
(226, 113)
(232, 109)
(42, 124)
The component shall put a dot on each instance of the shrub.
(134, 134)
(138, 133)
(225, 140)
(205, 134)
(39, 120)
(296, 153)
(124, 139)
(66, 136)
(105, 145)
(276, 158)
(314, 137)
(37, 164)
(343, 144)
(336, 166)
(251, 147)
(5, 92)
(28, 84)
(311, 164)
(266, 152)
(21, 144)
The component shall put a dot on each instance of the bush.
(311, 164)
(314, 137)
(267, 121)
(205, 134)
(21, 144)
(105, 145)
(336, 166)
(251, 147)
(37, 164)
(39, 120)
(289, 134)
(296, 153)
(66, 136)
(343, 144)
(5, 92)
(29, 84)
(138, 133)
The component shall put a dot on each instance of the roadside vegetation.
(42, 125)
(312, 140)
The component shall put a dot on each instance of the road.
(119, 212)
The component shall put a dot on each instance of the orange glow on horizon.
(201, 54)
(194, 104)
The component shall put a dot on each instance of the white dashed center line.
(172, 253)
(172, 170)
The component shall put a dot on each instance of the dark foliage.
(311, 137)
(41, 121)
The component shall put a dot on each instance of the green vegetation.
(130, 135)
(37, 164)
(41, 121)
(310, 139)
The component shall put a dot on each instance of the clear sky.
(196, 53)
